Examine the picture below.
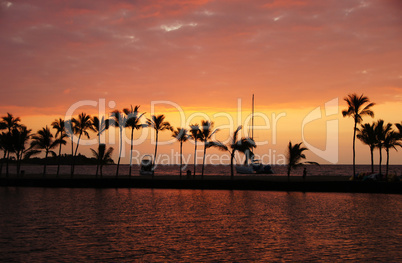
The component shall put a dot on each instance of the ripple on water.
(39, 224)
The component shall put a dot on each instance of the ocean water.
(223, 170)
(145, 225)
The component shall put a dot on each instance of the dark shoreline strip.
(215, 184)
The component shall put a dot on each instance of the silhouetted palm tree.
(381, 133)
(357, 108)
(3, 142)
(244, 145)
(20, 137)
(3, 147)
(43, 140)
(119, 120)
(6, 140)
(391, 140)
(366, 134)
(82, 125)
(103, 156)
(58, 125)
(182, 136)
(133, 122)
(399, 127)
(71, 129)
(158, 123)
(206, 136)
(195, 134)
(99, 126)
(9, 122)
(295, 155)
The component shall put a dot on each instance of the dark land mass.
(268, 183)
(65, 159)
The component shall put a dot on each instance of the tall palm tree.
(6, 140)
(244, 145)
(71, 129)
(118, 119)
(103, 156)
(82, 124)
(391, 140)
(182, 136)
(381, 133)
(9, 122)
(366, 134)
(207, 132)
(99, 126)
(358, 106)
(195, 134)
(133, 122)
(295, 155)
(158, 123)
(3, 147)
(20, 137)
(43, 140)
(59, 126)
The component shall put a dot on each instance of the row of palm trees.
(15, 137)
(378, 135)
(130, 118)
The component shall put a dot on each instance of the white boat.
(255, 167)
(146, 165)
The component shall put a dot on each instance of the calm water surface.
(224, 170)
(122, 225)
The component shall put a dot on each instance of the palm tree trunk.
(156, 150)
(59, 160)
(72, 157)
(121, 146)
(98, 163)
(231, 164)
(386, 169)
(18, 163)
(78, 144)
(380, 150)
(97, 168)
(181, 156)
(354, 150)
(44, 166)
(7, 161)
(101, 173)
(195, 156)
(2, 162)
(131, 152)
(203, 160)
(372, 159)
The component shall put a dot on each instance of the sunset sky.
(204, 56)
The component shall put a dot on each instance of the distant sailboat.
(256, 167)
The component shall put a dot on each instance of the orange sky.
(204, 56)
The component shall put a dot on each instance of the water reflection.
(40, 224)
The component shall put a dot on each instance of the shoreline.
(340, 184)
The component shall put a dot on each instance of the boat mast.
(252, 120)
